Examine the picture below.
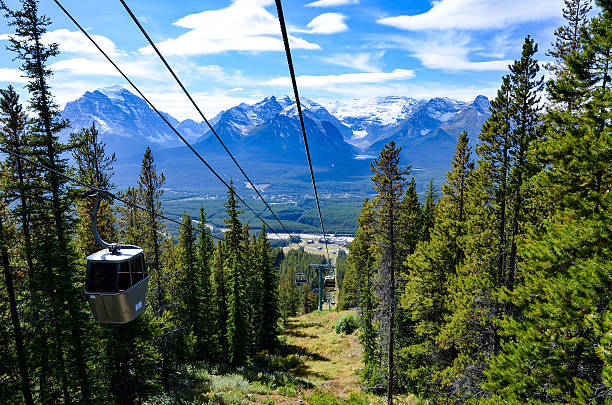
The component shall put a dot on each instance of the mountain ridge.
(266, 136)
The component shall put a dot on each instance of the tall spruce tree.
(390, 182)
(95, 168)
(269, 300)
(551, 349)
(428, 213)
(237, 333)
(221, 293)
(362, 260)
(68, 306)
(150, 185)
(568, 40)
(17, 185)
(428, 271)
(187, 293)
(498, 208)
(206, 323)
(5, 241)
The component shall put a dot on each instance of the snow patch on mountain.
(378, 111)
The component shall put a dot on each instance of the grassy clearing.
(315, 365)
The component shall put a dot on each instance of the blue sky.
(229, 52)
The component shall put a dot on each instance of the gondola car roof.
(122, 255)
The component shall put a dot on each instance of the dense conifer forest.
(493, 289)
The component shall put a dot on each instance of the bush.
(347, 324)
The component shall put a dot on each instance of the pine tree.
(550, 351)
(269, 302)
(428, 211)
(412, 220)
(29, 48)
(95, 168)
(150, 185)
(428, 270)
(568, 40)
(187, 295)
(237, 334)
(5, 241)
(206, 324)
(499, 206)
(18, 186)
(362, 260)
(389, 181)
(221, 293)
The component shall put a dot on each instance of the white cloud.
(363, 61)
(89, 67)
(9, 75)
(446, 51)
(245, 25)
(420, 90)
(331, 3)
(211, 103)
(76, 42)
(327, 23)
(348, 78)
(5, 37)
(476, 14)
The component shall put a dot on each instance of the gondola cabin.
(329, 283)
(116, 284)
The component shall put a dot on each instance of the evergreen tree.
(237, 334)
(550, 352)
(206, 323)
(568, 41)
(362, 260)
(499, 206)
(428, 272)
(68, 309)
(18, 186)
(269, 301)
(95, 168)
(412, 219)
(428, 211)
(389, 181)
(348, 296)
(288, 299)
(5, 241)
(188, 294)
(150, 185)
(220, 278)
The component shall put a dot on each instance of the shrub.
(347, 324)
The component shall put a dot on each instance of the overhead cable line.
(92, 188)
(162, 116)
(281, 19)
(195, 105)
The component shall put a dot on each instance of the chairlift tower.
(321, 268)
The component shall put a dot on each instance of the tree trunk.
(21, 355)
(391, 302)
(57, 213)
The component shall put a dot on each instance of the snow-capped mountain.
(266, 136)
(374, 120)
(366, 116)
(126, 120)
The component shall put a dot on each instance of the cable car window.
(137, 270)
(124, 281)
(144, 265)
(102, 277)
